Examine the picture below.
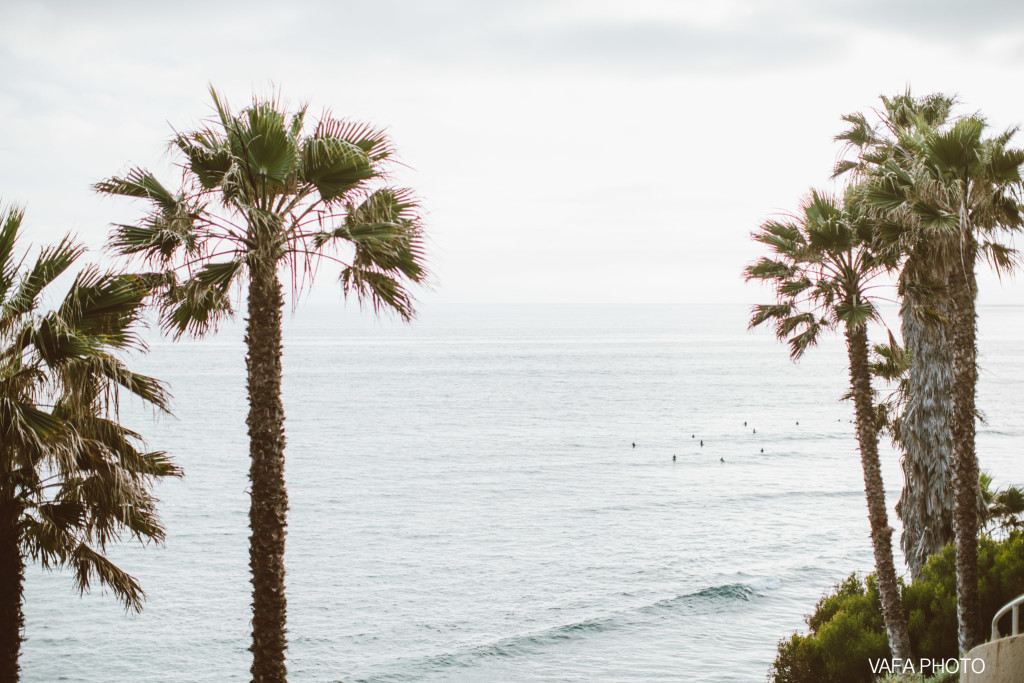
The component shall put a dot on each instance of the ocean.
(468, 505)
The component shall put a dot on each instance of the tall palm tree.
(71, 477)
(821, 268)
(925, 436)
(965, 187)
(263, 195)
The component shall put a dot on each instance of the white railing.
(1012, 606)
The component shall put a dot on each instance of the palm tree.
(262, 196)
(924, 435)
(1005, 507)
(964, 188)
(72, 478)
(821, 269)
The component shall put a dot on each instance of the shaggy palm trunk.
(269, 498)
(874, 489)
(926, 504)
(964, 291)
(12, 576)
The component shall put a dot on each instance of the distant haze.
(565, 151)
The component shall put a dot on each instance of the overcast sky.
(565, 151)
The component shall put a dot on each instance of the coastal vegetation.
(72, 478)
(268, 196)
(933, 193)
(944, 194)
(846, 627)
(264, 194)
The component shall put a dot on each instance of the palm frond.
(268, 149)
(90, 566)
(50, 264)
(140, 184)
(209, 157)
(374, 142)
(194, 306)
(954, 149)
(762, 313)
(380, 289)
(10, 222)
(335, 166)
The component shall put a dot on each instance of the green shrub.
(846, 627)
(930, 606)
(846, 631)
(930, 603)
(919, 678)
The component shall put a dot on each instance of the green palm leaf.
(334, 166)
(209, 158)
(264, 144)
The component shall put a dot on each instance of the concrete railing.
(1002, 659)
(1014, 607)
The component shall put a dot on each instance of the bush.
(920, 678)
(846, 627)
(930, 603)
(846, 631)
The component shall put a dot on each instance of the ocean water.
(467, 504)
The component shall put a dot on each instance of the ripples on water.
(466, 504)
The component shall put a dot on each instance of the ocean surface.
(467, 503)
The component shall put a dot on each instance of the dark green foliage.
(1002, 577)
(931, 602)
(846, 628)
(917, 677)
(931, 607)
(846, 631)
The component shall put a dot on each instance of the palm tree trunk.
(12, 576)
(269, 497)
(964, 291)
(874, 489)
(926, 504)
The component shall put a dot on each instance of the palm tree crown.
(260, 191)
(821, 271)
(72, 478)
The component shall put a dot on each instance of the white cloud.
(565, 150)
